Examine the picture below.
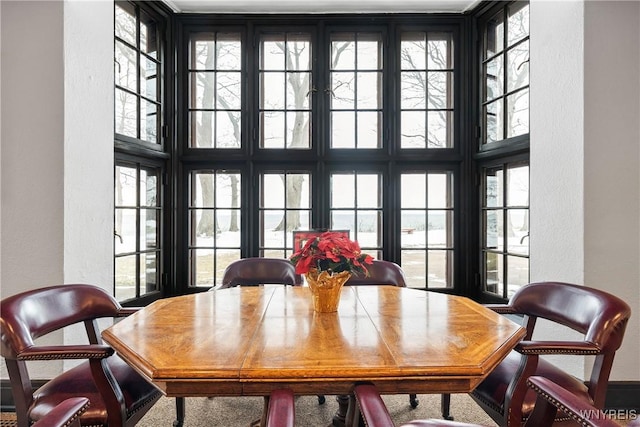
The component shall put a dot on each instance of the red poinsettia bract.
(331, 251)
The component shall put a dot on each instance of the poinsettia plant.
(332, 252)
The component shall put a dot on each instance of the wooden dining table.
(249, 341)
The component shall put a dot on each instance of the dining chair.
(280, 409)
(119, 396)
(367, 408)
(65, 414)
(599, 317)
(260, 271)
(253, 271)
(382, 272)
(552, 398)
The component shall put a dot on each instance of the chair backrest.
(260, 271)
(600, 316)
(35, 313)
(281, 409)
(380, 273)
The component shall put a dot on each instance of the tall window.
(137, 102)
(298, 128)
(139, 151)
(506, 74)
(504, 149)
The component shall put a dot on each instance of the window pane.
(125, 21)
(125, 277)
(518, 23)
(518, 113)
(125, 230)
(413, 191)
(148, 35)
(126, 67)
(440, 51)
(493, 229)
(518, 186)
(412, 51)
(150, 121)
(494, 34)
(440, 265)
(518, 66)
(494, 124)
(494, 78)
(414, 265)
(413, 92)
(494, 273)
(440, 125)
(149, 78)
(413, 129)
(149, 272)
(148, 229)
(517, 273)
(126, 115)
(439, 191)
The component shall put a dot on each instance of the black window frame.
(141, 154)
(390, 160)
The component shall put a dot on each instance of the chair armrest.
(501, 308)
(551, 396)
(65, 414)
(58, 352)
(557, 347)
(372, 407)
(281, 410)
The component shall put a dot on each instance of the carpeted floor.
(240, 412)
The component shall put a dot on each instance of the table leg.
(341, 414)
(445, 405)
(180, 404)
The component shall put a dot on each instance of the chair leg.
(413, 401)
(445, 404)
(321, 399)
(180, 410)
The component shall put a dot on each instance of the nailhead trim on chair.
(578, 352)
(66, 356)
(559, 405)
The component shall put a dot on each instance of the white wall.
(612, 169)
(585, 214)
(57, 147)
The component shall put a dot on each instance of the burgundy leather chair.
(599, 316)
(260, 271)
(551, 398)
(119, 396)
(281, 409)
(366, 403)
(380, 273)
(66, 414)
